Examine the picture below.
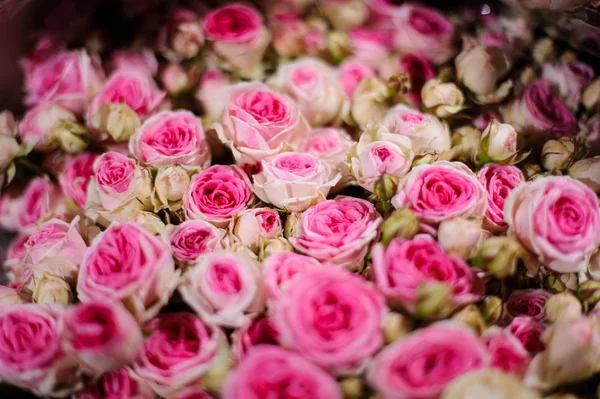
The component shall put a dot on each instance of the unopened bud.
(557, 155)
(465, 143)
(71, 136)
(432, 299)
(150, 221)
(594, 266)
(589, 294)
(491, 309)
(352, 387)
(402, 223)
(369, 101)
(591, 96)
(562, 306)
(425, 158)
(338, 44)
(553, 284)
(471, 316)
(116, 119)
(532, 170)
(498, 143)
(396, 326)
(51, 289)
(442, 99)
(460, 236)
(385, 188)
(499, 256)
(272, 246)
(587, 171)
(170, 185)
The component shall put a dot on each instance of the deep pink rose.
(528, 303)
(179, 350)
(268, 372)
(217, 194)
(329, 144)
(423, 363)
(338, 231)
(528, 331)
(102, 336)
(76, 177)
(281, 269)
(507, 352)
(556, 218)
(370, 45)
(570, 79)
(420, 70)
(403, 266)
(193, 238)
(331, 317)
(40, 198)
(128, 264)
(142, 59)
(171, 137)
(254, 332)
(116, 385)
(499, 181)
(56, 239)
(35, 127)
(351, 72)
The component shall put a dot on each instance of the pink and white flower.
(281, 269)
(329, 144)
(76, 177)
(426, 131)
(56, 238)
(37, 123)
(256, 225)
(254, 332)
(193, 238)
(351, 72)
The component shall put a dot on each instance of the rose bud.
(256, 225)
(443, 99)
(426, 131)
(351, 72)
(118, 120)
(38, 122)
(128, 264)
(9, 297)
(223, 288)
(504, 386)
(180, 351)
(558, 155)
(460, 236)
(507, 352)
(396, 326)
(193, 238)
(51, 267)
(587, 171)
(212, 93)
(272, 123)
(338, 231)
(102, 336)
(369, 102)
(76, 177)
(528, 303)
(570, 79)
(170, 185)
(254, 332)
(491, 309)
(8, 124)
(119, 383)
(591, 96)
(398, 370)
(528, 331)
(72, 137)
(150, 221)
(288, 31)
(31, 355)
(573, 238)
(56, 238)
(8, 142)
(498, 143)
(48, 288)
(239, 37)
(341, 346)
(562, 306)
(402, 223)
(185, 34)
(345, 15)
(281, 269)
(471, 317)
(499, 256)
(175, 79)
(272, 246)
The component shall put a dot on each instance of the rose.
(56, 238)
(529, 303)
(556, 218)
(528, 331)
(499, 181)
(48, 288)
(370, 45)
(345, 15)
(16, 251)
(418, 69)
(479, 66)
(592, 129)
(193, 238)
(332, 318)
(351, 72)
(294, 182)
(223, 288)
(338, 231)
(30, 350)
(180, 350)
(102, 336)
(507, 352)
(170, 185)
(402, 267)
(257, 123)
(34, 129)
(328, 144)
(254, 226)
(369, 102)
(40, 198)
(423, 363)
(184, 33)
(141, 59)
(127, 264)
(217, 194)
(119, 383)
(570, 79)
(76, 177)
(280, 269)
(212, 92)
(171, 137)
(289, 32)
(504, 386)
(498, 143)
(461, 237)
(444, 99)
(587, 171)
(252, 333)
(175, 79)
(424, 31)
(426, 131)
(313, 85)
(269, 371)
(441, 191)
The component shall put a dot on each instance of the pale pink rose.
(499, 181)
(176, 79)
(258, 123)
(369, 45)
(40, 198)
(351, 72)
(528, 303)
(127, 264)
(184, 33)
(9, 297)
(294, 181)
(102, 336)
(309, 318)
(171, 137)
(217, 194)
(328, 144)
(404, 266)
(193, 393)
(31, 354)
(268, 371)
(256, 225)
(56, 238)
(76, 177)
(193, 238)
(223, 288)
(212, 92)
(289, 31)
(315, 42)
(345, 14)
(441, 191)
(556, 218)
(528, 331)
(281, 269)
(141, 59)
(116, 384)
(426, 131)
(16, 252)
(507, 352)
(34, 128)
(179, 351)
(570, 79)
(254, 332)
(423, 363)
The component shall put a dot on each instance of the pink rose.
(371, 46)
(338, 231)
(142, 59)
(193, 238)
(217, 194)
(423, 363)
(330, 145)
(56, 239)
(289, 32)
(127, 264)
(258, 123)
(16, 252)
(179, 351)
(351, 72)
(223, 288)
(570, 79)
(76, 177)
(184, 33)
(116, 384)
(426, 131)
(332, 318)
(528, 303)
(507, 352)
(212, 92)
(528, 331)
(35, 127)
(281, 269)
(254, 332)
(102, 336)
(556, 218)
(31, 355)
(268, 371)
(403, 266)
(40, 198)
(420, 71)
(171, 137)
(499, 181)
(253, 226)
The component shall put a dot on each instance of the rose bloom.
(570, 79)
(556, 218)
(289, 31)
(212, 92)
(31, 354)
(223, 288)
(217, 194)
(418, 68)
(127, 264)
(9, 297)
(116, 384)
(528, 331)
(40, 198)
(426, 131)
(281, 269)
(329, 144)
(76, 177)
(254, 332)
(141, 59)
(16, 252)
(338, 231)
(423, 363)
(424, 31)
(56, 238)
(370, 45)
(258, 123)
(332, 318)
(499, 181)
(102, 336)
(507, 352)
(403, 266)
(171, 137)
(528, 303)
(193, 238)
(441, 191)
(35, 127)
(351, 72)
(256, 225)
(180, 350)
